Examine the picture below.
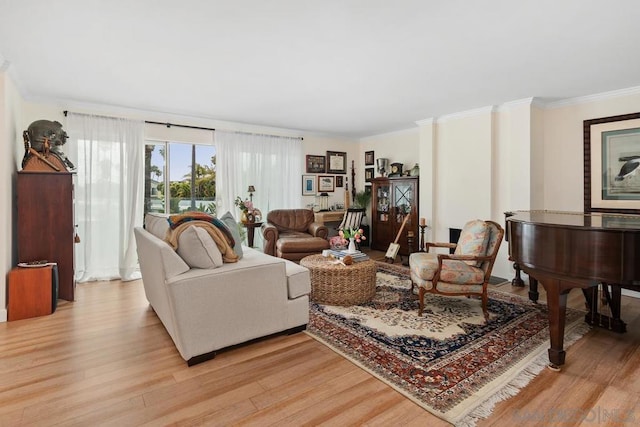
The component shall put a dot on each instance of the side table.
(338, 284)
(251, 229)
(30, 292)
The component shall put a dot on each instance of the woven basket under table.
(337, 284)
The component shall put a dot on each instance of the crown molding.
(468, 113)
(389, 134)
(425, 122)
(595, 97)
(506, 106)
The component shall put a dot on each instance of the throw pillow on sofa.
(198, 249)
(232, 225)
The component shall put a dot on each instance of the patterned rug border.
(515, 378)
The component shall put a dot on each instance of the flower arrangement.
(356, 233)
(245, 206)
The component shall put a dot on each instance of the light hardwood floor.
(105, 359)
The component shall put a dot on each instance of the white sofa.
(205, 310)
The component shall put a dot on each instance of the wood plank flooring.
(105, 359)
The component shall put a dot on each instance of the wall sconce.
(251, 190)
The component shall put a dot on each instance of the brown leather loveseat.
(292, 234)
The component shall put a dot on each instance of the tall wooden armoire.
(393, 198)
(46, 227)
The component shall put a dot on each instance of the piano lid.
(594, 220)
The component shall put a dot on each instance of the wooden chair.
(352, 219)
(466, 271)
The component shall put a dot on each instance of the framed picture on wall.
(326, 184)
(368, 174)
(309, 185)
(339, 181)
(612, 164)
(369, 158)
(336, 162)
(315, 164)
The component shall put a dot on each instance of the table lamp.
(251, 190)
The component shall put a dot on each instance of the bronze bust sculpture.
(44, 138)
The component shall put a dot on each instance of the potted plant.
(362, 200)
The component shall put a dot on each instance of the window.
(187, 170)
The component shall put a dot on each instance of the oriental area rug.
(449, 361)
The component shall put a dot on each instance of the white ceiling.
(352, 67)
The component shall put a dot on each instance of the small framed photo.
(368, 158)
(336, 162)
(309, 185)
(326, 184)
(368, 174)
(316, 164)
(367, 189)
(339, 181)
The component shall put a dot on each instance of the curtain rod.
(167, 124)
(263, 134)
(178, 126)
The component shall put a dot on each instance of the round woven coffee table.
(337, 284)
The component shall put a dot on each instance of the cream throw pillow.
(197, 248)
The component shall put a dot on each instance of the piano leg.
(557, 305)
(517, 281)
(595, 318)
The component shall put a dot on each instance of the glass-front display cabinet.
(393, 199)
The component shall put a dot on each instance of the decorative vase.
(244, 218)
(352, 246)
(415, 171)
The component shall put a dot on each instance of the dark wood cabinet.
(393, 198)
(46, 223)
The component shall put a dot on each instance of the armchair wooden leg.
(421, 297)
(485, 302)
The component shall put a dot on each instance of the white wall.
(479, 164)
(563, 143)
(10, 137)
(523, 155)
(398, 147)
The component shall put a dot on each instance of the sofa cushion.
(473, 240)
(197, 248)
(232, 225)
(173, 264)
(157, 224)
(298, 280)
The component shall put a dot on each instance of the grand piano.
(567, 250)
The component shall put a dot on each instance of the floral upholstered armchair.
(466, 271)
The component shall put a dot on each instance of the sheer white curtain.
(109, 188)
(272, 164)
